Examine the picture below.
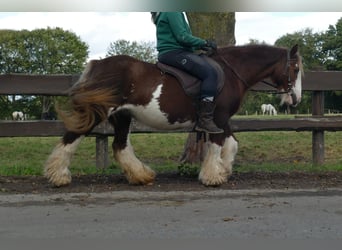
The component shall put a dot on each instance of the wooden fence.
(57, 85)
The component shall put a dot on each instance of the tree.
(255, 42)
(144, 51)
(332, 49)
(218, 26)
(41, 51)
(332, 46)
(310, 47)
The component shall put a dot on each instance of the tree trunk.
(46, 105)
(220, 27)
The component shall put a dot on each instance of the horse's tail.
(89, 103)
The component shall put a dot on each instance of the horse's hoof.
(60, 184)
(146, 179)
(59, 180)
(212, 184)
(213, 181)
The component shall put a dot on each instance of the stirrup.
(203, 130)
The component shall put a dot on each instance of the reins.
(262, 81)
(234, 71)
(243, 80)
(273, 86)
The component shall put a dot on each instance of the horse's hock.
(57, 85)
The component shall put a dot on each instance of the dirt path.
(173, 182)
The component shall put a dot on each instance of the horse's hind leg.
(57, 165)
(135, 171)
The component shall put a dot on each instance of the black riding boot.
(205, 121)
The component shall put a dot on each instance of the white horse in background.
(18, 116)
(268, 109)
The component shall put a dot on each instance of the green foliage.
(188, 170)
(144, 51)
(332, 46)
(40, 51)
(310, 47)
(253, 101)
(256, 42)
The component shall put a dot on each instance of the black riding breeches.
(194, 65)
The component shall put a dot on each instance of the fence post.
(318, 135)
(102, 160)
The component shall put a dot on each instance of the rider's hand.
(211, 44)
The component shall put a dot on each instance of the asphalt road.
(284, 214)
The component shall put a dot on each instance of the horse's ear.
(294, 50)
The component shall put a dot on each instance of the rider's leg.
(200, 68)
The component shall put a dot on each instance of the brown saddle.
(191, 84)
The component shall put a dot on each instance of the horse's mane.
(254, 50)
(257, 49)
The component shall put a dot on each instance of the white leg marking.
(213, 172)
(57, 165)
(229, 150)
(135, 171)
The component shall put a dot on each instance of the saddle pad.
(189, 83)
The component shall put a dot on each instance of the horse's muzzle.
(295, 100)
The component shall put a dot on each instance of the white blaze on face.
(298, 87)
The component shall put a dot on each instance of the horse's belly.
(153, 117)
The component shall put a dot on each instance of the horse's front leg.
(213, 171)
(135, 171)
(217, 165)
(56, 168)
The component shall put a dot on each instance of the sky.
(99, 29)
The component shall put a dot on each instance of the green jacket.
(173, 32)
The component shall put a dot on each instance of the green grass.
(286, 151)
(258, 151)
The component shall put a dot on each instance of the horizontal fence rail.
(56, 128)
(20, 84)
(58, 85)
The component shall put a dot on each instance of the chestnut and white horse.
(120, 87)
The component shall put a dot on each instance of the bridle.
(287, 74)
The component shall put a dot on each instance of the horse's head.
(289, 83)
